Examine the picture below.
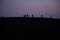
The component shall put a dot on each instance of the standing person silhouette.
(32, 15)
(27, 15)
(50, 16)
(24, 15)
(41, 16)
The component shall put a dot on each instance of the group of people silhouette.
(27, 15)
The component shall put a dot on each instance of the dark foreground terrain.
(29, 28)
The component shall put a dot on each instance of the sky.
(17, 8)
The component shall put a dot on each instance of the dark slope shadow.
(29, 28)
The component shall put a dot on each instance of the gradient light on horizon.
(37, 7)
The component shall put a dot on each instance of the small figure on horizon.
(50, 16)
(24, 15)
(27, 15)
(32, 15)
(41, 16)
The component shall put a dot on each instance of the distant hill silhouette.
(27, 28)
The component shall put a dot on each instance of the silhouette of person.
(50, 16)
(41, 16)
(32, 15)
(27, 15)
(24, 15)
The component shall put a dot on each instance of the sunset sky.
(15, 8)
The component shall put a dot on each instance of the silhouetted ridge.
(29, 27)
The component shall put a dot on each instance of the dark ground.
(29, 28)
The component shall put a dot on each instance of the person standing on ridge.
(50, 16)
(24, 15)
(27, 15)
(32, 15)
(41, 16)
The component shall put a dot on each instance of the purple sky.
(36, 7)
